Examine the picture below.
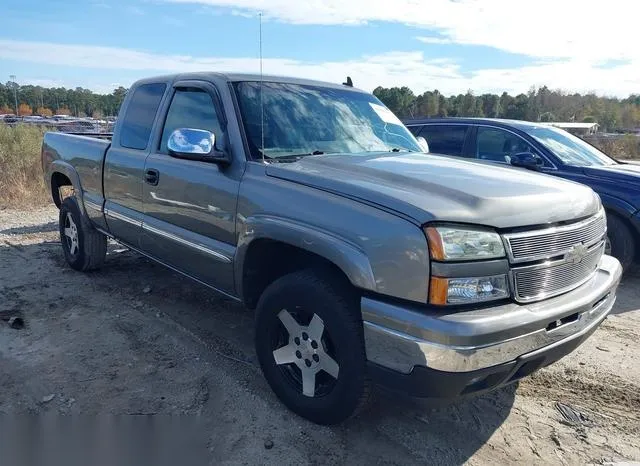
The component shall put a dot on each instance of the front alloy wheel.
(306, 349)
(309, 341)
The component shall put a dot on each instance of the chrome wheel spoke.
(316, 328)
(305, 349)
(308, 382)
(285, 355)
(290, 323)
(329, 365)
(71, 233)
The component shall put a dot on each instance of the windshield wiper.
(293, 157)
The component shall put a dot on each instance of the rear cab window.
(140, 115)
(445, 139)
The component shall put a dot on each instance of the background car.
(544, 148)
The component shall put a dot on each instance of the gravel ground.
(135, 338)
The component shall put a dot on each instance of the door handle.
(151, 177)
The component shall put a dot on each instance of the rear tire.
(309, 341)
(84, 247)
(621, 241)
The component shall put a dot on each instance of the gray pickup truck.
(365, 260)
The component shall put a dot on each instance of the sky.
(449, 45)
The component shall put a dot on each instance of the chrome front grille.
(550, 242)
(550, 279)
(562, 258)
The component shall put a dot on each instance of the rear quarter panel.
(80, 159)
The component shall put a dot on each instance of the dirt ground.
(135, 338)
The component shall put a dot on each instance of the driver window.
(191, 108)
(498, 145)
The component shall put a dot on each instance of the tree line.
(539, 104)
(38, 100)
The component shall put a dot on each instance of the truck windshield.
(302, 120)
(570, 149)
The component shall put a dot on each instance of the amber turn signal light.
(436, 248)
(438, 291)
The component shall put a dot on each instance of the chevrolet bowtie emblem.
(576, 254)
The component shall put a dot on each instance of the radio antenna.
(261, 98)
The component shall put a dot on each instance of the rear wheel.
(84, 247)
(310, 345)
(620, 242)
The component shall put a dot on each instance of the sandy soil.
(135, 338)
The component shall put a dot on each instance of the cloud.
(410, 69)
(568, 29)
(434, 40)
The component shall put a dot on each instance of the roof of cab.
(235, 77)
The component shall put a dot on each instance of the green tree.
(400, 100)
(490, 105)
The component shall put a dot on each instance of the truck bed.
(83, 154)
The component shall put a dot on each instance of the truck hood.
(429, 188)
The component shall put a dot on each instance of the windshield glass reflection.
(306, 120)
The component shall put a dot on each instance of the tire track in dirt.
(613, 398)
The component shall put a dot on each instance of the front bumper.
(487, 347)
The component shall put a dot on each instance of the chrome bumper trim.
(396, 349)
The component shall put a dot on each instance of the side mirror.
(423, 144)
(195, 144)
(526, 160)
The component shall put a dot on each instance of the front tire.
(309, 341)
(84, 247)
(620, 241)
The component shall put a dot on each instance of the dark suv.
(544, 148)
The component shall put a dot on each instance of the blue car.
(550, 150)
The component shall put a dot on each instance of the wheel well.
(58, 180)
(267, 260)
(627, 223)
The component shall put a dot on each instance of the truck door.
(189, 205)
(124, 164)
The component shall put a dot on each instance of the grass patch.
(623, 147)
(21, 179)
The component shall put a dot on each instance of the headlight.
(467, 290)
(461, 244)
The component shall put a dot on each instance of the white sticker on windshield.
(385, 114)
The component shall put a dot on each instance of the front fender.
(347, 256)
